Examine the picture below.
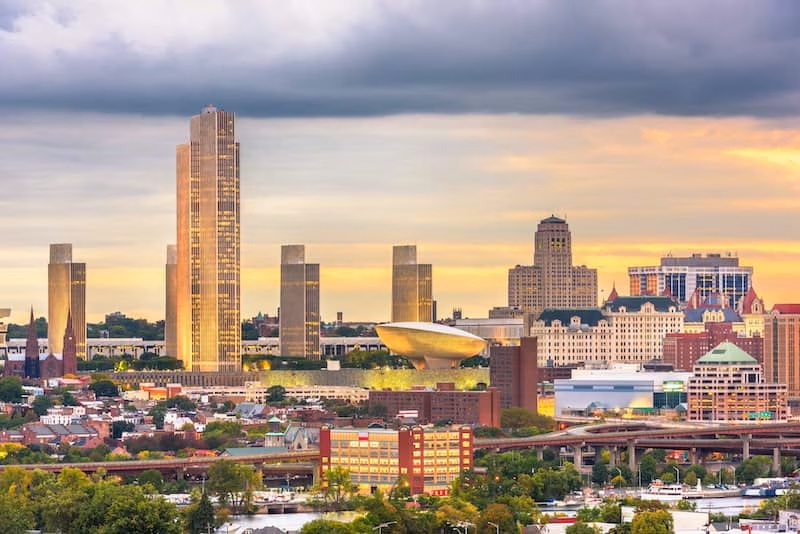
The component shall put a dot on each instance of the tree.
(276, 393)
(16, 513)
(152, 477)
(68, 399)
(655, 522)
(104, 388)
(500, 515)
(582, 528)
(10, 389)
(118, 427)
(200, 516)
(326, 526)
(233, 484)
(647, 468)
(518, 417)
(182, 403)
(336, 488)
(752, 468)
(40, 404)
(600, 472)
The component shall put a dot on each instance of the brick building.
(514, 372)
(481, 408)
(429, 458)
(682, 350)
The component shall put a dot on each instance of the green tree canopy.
(655, 522)
(104, 388)
(10, 389)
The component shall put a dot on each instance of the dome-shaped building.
(430, 345)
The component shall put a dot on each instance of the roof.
(246, 451)
(589, 316)
(553, 219)
(634, 304)
(726, 353)
(695, 315)
(426, 327)
(786, 308)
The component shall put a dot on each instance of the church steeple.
(69, 357)
(32, 350)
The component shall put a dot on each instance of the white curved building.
(430, 345)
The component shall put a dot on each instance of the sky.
(652, 127)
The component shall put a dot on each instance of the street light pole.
(379, 528)
(495, 525)
(677, 473)
(639, 472)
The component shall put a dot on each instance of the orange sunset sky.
(364, 125)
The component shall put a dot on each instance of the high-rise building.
(171, 301)
(552, 281)
(299, 317)
(782, 347)
(66, 296)
(514, 371)
(412, 290)
(696, 276)
(207, 312)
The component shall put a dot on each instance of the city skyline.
(680, 151)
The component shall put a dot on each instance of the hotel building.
(208, 241)
(697, 275)
(728, 385)
(429, 458)
(66, 297)
(552, 281)
(299, 315)
(412, 289)
(626, 329)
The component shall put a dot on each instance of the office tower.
(513, 370)
(207, 311)
(66, 296)
(782, 347)
(552, 281)
(412, 293)
(299, 316)
(171, 302)
(696, 276)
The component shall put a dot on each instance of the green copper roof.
(726, 353)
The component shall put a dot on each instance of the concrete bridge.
(763, 438)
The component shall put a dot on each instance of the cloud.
(359, 58)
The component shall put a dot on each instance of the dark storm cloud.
(566, 57)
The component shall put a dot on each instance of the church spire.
(32, 350)
(69, 357)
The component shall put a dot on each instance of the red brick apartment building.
(430, 458)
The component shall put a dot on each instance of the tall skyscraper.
(207, 312)
(299, 317)
(66, 296)
(552, 281)
(171, 300)
(412, 291)
(698, 275)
